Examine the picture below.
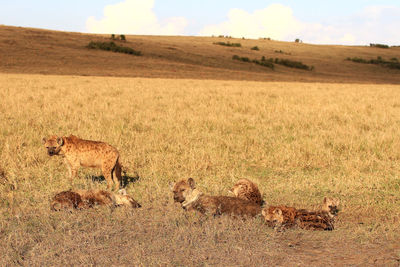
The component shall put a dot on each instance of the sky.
(350, 22)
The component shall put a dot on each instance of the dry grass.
(297, 141)
(26, 50)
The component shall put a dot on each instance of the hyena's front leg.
(72, 170)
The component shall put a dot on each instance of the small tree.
(122, 36)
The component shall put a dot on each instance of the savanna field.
(185, 108)
(297, 141)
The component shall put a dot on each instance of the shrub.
(263, 62)
(111, 46)
(123, 38)
(392, 64)
(255, 48)
(293, 64)
(298, 40)
(113, 36)
(379, 45)
(228, 44)
(244, 59)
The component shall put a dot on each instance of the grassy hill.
(26, 50)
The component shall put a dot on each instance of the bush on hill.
(263, 62)
(228, 44)
(393, 63)
(379, 45)
(292, 64)
(111, 46)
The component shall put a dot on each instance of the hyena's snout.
(334, 210)
(51, 151)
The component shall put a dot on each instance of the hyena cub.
(192, 199)
(79, 152)
(283, 217)
(84, 199)
(247, 190)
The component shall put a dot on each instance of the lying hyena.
(285, 217)
(192, 199)
(84, 199)
(79, 152)
(247, 190)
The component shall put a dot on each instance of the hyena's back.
(227, 205)
(67, 200)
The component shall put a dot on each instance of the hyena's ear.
(44, 140)
(171, 185)
(324, 200)
(191, 183)
(60, 141)
(278, 212)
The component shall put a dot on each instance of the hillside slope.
(26, 50)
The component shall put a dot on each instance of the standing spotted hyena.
(192, 199)
(247, 190)
(79, 152)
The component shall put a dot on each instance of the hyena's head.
(330, 205)
(122, 199)
(53, 144)
(243, 187)
(247, 190)
(237, 189)
(273, 216)
(182, 189)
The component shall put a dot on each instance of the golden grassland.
(36, 51)
(297, 141)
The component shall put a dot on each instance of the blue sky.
(324, 22)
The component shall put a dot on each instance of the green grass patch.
(111, 46)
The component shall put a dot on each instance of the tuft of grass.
(228, 44)
(111, 46)
(255, 48)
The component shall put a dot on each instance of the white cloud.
(134, 17)
(374, 24)
(276, 21)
